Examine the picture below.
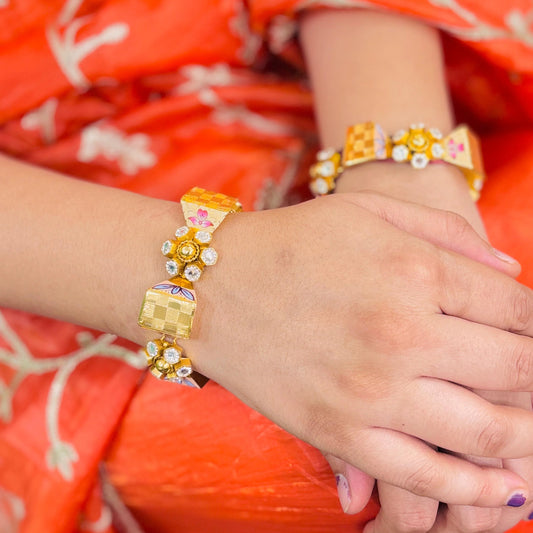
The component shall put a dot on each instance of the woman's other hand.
(360, 339)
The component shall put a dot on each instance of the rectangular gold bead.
(168, 308)
(359, 146)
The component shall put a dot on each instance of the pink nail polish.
(345, 494)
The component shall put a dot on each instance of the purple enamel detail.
(175, 289)
(517, 500)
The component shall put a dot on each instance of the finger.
(442, 228)
(403, 511)
(480, 294)
(408, 463)
(464, 422)
(495, 520)
(478, 356)
(353, 485)
(475, 519)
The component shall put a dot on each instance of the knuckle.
(492, 437)
(424, 480)
(522, 309)
(521, 366)
(417, 265)
(457, 227)
(478, 520)
(414, 520)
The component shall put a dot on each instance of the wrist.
(439, 186)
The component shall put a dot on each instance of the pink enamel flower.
(201, 220)
(454, 148)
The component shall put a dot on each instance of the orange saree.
(156, 96)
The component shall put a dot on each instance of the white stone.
(319, 186)
(181, 232)
(203, 237)
(400, 153)
(325, 154)
(398, 135)
(171, 355)
(166, 248)
(419, 126)
(326, 169)
(419, 161)
(436, 133)
(209, 256)
(192, 273)
(437, 150)
(152, 348)
(478, 184)
(184, 371)
(172, 267)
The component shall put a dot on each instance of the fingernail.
(345, 494)
(504, 257)
(517, 500)
(530, 517)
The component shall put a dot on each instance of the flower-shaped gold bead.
(189, 253)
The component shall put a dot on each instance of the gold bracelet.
(420, 146)
(169, 306)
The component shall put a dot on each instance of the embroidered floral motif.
(61, 455)
(68, 52)
(131, 152)
(12, 511)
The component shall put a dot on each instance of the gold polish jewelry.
(167, 361)
(169, 306)
(190, 252)
(418, 145)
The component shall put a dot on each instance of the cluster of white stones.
(168, 360)
(323, 172)
(199, 255)
(414, 145)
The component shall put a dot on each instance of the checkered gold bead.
(217, 206)
(166, 309)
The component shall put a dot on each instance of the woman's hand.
(353, 334)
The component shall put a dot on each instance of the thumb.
(354, 486)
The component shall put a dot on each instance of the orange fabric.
(155, 96)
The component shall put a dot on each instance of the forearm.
(367, 65)
(76, 251)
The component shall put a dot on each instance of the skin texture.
(396, 96)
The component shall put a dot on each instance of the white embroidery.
(520, 25)
(224, 115)
(201, 80)
(61, 455)
(281, 30)
(67, 14)
(131, 152)
(69, 53)
(42, 119)
(102, 524)
(122, 516)
(240, 26)
(12, 511)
